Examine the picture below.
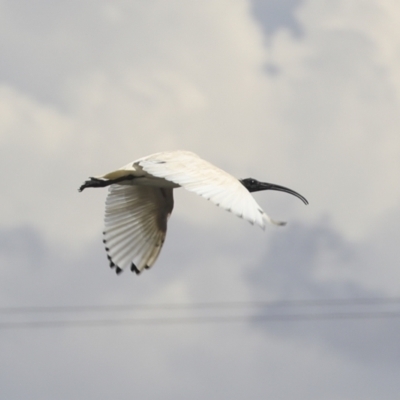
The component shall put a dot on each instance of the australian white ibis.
(140, 201)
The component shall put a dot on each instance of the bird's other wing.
(135, 225)
(199, 176)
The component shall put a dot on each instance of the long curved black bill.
(272, 186)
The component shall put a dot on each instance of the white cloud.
(172, 77)
(151, 77)
(337, 96)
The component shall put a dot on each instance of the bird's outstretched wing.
(199, 176)
(135, 225)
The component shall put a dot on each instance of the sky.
(302, 93)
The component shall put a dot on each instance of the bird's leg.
(101, 182)
(94, 183)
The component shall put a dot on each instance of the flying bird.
(140, 201)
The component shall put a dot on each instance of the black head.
(253, 185)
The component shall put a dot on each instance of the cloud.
(337, 96)
(275, 15)
(86, 88)
(131, 359)
(135, 94)
(316, 262)
(299, 262)
(130, 79)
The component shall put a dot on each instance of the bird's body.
(140, 201)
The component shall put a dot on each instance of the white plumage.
(140, 201)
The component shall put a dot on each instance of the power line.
(200, 320)
(281, 310)
(204, 305)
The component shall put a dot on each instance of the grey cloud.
(231, 360)
(119, 361)
(276, 14)
(314, 263)
(294, 259)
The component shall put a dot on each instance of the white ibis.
(140, 201)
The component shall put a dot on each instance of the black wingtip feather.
(112, 265)
(118, 269)
(135, 269)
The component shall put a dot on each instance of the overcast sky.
(304, 94)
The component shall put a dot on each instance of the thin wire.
(199, 320)
(208, 305)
